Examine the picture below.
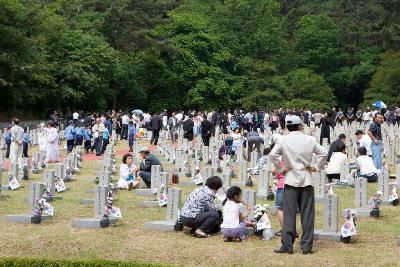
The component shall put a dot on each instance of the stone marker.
(398, 173)
(162, 179)
(361, 197)
(383, 185)
(330, 230)
(36, 192)
(50, 181)
(2, 196)
(155, 171)
(173, 206)
(249, 197)
(263, 183)
(319, 185)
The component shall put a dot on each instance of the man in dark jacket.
(187, 128)
(144, 170)
(155, 125)
(334, 145)
(206, 130)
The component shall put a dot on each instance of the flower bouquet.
(25, 172)
(198, 179)
(393, 197)
(43, 160)
(35, 166)
(349, 227)
(60, 185)
(13, 182)
(47, 192)
(374, 203)
(41, 206)
(162, 198)
(261, 223)
(187, 169)
(249, 181)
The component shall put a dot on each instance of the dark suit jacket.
(206, 128)
(149, 161)
(156, 123)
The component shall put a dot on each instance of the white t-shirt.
(231, 212)
(75, 116)
(125, 119)
(336, 163)
(366, 165)
(366, 116)
(365, 141)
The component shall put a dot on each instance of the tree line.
(203, 54)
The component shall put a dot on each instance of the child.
(70, 136)
(26, 141)
(263, 161)
(79, 134)
(87, 134)
(7, 138)
(106, 136)
(233, 225)
(131, 135)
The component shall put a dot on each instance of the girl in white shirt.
(233, 225)
(339, 157)
(127, 178)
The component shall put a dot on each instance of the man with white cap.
(144, 170)
(297, 151)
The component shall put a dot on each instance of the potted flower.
(261, 222)
(374, 203)
(41, 206)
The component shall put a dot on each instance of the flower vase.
(268, 234)
(36, 219)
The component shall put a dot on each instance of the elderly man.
(97, 131)
(296, 150)
(144, 170)
(375, 134)
(17, 134)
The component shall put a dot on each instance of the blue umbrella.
(379, 104)
(137, 111)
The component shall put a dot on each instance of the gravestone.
(162, 179)
(344, 172)
(195, 164)
(60, 170)
(319, 186)
(155, 171)
(383, 185)
(172, 213)
(226, 181)
(330, 230)
(100, 200)
(398, 173)
(2, 196)
(36, 192)
(50, 181)
(210, 172)
(35, 162)
(25, 168)
(253, 159)
(361, 197)
(249, 197)
(242, 175)
(263, 183)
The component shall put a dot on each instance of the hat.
(144, 149)
(293, 120)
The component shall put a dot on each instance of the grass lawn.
(375, 243)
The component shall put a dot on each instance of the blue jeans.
(376, 150)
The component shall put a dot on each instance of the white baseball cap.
(293, 120)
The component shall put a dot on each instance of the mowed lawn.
(375, 243)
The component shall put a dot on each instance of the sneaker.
(279, 233)
(282, 250)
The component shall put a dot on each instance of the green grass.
(375, 243)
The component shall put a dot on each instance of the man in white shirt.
(75, 118)
(124, 122)
(364, 141)
(366, 116)
(297, 151)
(17, 134)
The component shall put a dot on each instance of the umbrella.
(379, 104)
(137, 111)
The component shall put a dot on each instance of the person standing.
(173, 127)
(7, 139)
(124, 131)
(26, 142)
(375, 133)
(70, 136)
(97, 131)
(340, 117)
(156, 124)
(297, 151)
(325, 129)
(17, 134)
(206, 130)
(52, 151)
(187, 127)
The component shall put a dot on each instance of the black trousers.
(88, 145)
(103, 148)
(206, 140)
(8, 146)
(251, 143)
(146, 177)
(124, 131)
(98, 144)
(154, 137)
(25, 147)
(70, 145)
(303, 198)
(208, 222)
